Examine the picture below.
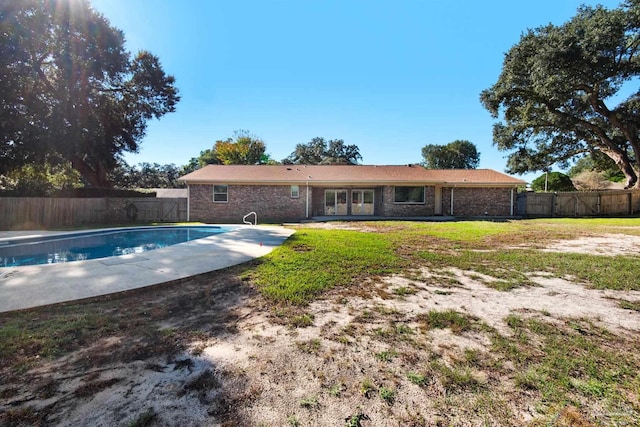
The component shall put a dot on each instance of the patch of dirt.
(607, 244)
(224, 357)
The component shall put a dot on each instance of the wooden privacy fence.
(24, 213)
(578, 203)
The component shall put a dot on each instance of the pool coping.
(31, 286)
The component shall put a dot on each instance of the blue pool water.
(97, 244)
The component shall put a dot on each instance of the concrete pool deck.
(37, 285)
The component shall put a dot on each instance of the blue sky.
(387, 76)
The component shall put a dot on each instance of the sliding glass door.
(362, 202)
(335, 202)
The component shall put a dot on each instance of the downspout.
(188, 203)
(307, 202)
(512, 201)
(452, 200)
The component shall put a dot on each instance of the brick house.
(290, 193)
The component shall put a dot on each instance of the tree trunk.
(625, 166)
(95, 178)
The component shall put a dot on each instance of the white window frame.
(409, 202)
(295, 191)
(218, 193)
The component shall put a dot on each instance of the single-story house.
(288, 193)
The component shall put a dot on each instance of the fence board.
(579, 204)
(23, 213)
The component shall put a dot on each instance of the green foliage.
(597, 161)
(386, 355)
(145, 175)
(242, 149)
(355, 420)
(456, 378)
(600, 272)
(39, 180)
(310, 402)
(557, 87)
(337, 389)
(564, 362)
(629, 305)
(367, 387)
(387, 394)
(311, 346)
(417, 379)
(292, 420)
(555, 181)
(70, 90)
(451, 319)
(319, 151)
(301, 320)
(459, 154)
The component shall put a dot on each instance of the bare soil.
(209, 351)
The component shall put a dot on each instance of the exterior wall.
(383, 202)
(477, 201)
(274, 203)
(391, 209)
(271, 203)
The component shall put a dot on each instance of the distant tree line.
(242, 148)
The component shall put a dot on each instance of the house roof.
(346, 175)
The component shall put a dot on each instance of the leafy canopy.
(558, 89)
(70, 92)
(243, 148)
(458, 154)
(318, 151)
(553, 181)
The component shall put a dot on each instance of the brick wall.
(469, 201)
(272, 204)
(391, 209)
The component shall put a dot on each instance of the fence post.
(553, 205)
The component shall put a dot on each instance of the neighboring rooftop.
(171, 192)
(339, 174)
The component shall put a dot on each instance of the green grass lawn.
(314, 260)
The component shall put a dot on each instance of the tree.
(145, 175)
(70, 92)
(557, 88)
(39, 181)
(599, 163)
(318, 151)
(243, 149)
(553, 181)
(459, 154)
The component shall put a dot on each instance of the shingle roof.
(345, 175)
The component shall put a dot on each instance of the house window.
(221, 193)
(295, 191)
(408, 195)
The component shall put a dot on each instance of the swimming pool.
(97, 244)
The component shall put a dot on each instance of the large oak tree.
(319, 151)
(560, 92)
(459, 154)
(70, 92)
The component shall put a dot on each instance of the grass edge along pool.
(81, 246)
